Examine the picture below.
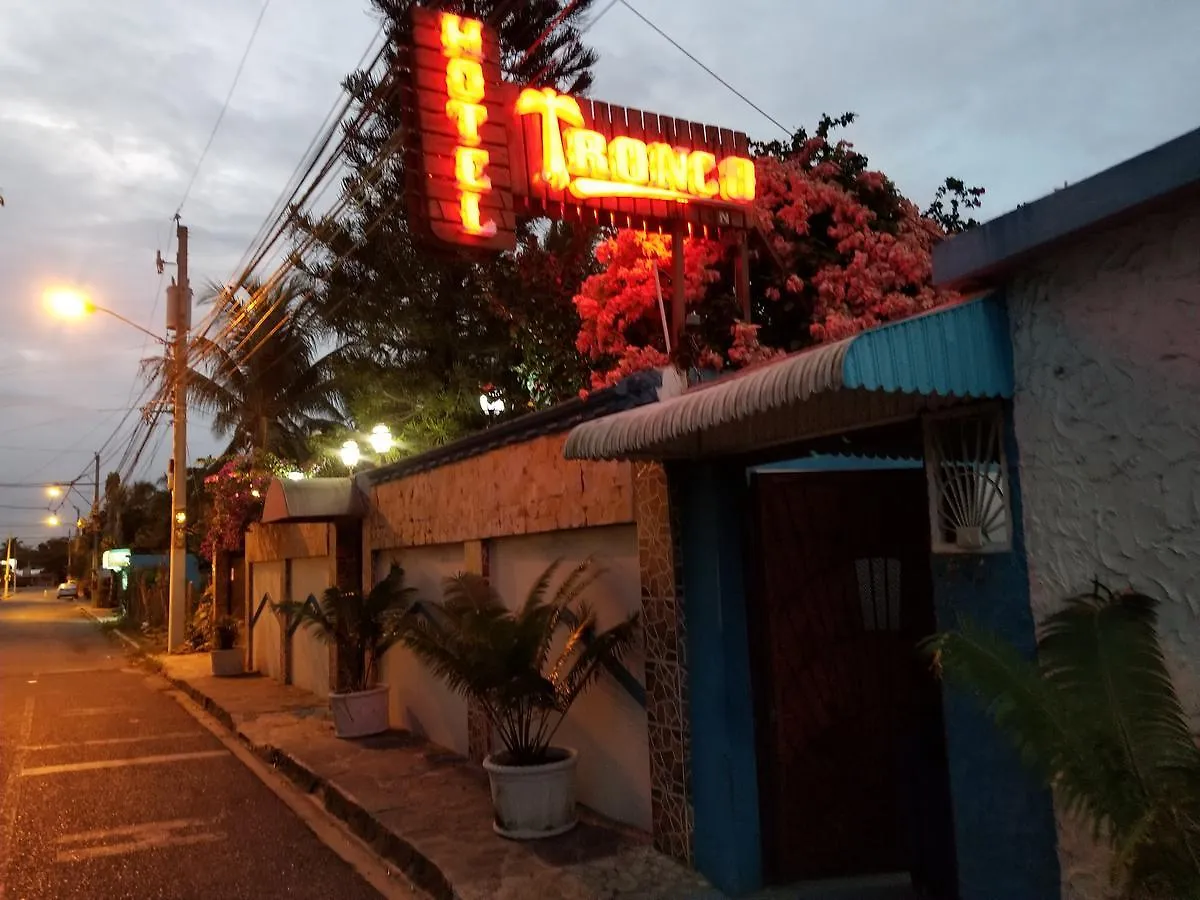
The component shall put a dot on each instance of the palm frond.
(497, 657)
(1098, 716)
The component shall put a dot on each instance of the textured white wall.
(310, 653)
(605, 725)
(419, 701)
(1106, 344)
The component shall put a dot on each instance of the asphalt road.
(110, 789)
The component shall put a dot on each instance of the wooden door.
(847, 711)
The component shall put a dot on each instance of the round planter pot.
(360, 713)
(226, 663)
(533, 801)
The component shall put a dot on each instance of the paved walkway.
(427, 809)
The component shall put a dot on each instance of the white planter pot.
(226, 663)
(534, 801)
(360, 713)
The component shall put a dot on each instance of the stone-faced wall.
(518, 489)
(1106, 351)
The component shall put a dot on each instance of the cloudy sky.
(106, 106)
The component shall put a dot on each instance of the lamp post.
(74, 304)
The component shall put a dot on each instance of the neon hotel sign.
(481, 150)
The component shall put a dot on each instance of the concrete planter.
(360, 713)
(226, 663)
(533, 801)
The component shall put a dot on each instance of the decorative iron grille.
(967, 472)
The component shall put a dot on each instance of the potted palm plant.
(363, 628)
(1098, 717)
(226, 657)
(511, 664)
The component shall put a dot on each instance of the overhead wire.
(366, 182)
(770, 118)
(207, 344)
(225, 106)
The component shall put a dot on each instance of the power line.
(770, 118)
(225, 107)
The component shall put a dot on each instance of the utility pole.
(179, 314)
(7, 568)
(96, 529)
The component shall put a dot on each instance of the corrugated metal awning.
(879, 376)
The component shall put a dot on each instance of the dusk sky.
(105, 108)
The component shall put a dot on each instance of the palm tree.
(258, 371)
(506, 660)
(1098, 717)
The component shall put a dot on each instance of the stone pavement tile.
(429, 809)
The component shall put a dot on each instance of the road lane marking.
(10, 793)
(390, 881)
(97, 710)
(96, 742)
(121, 763)
(134, 839)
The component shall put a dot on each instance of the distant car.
(68, 590)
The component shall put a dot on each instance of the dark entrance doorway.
(852, 763)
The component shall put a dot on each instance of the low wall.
(508, 513)
(419, 701)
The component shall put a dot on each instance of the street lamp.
(54, 491)
(67, 303)
(380, 439)
(53, 521)
(350, 454)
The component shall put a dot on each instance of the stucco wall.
(419, 701)
(606, 725)
(1106, 344)
(310, 654)
(267, 578)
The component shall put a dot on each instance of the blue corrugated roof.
(961, 350)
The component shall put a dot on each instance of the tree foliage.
(422, 332)
(259, 373)
(836, 249)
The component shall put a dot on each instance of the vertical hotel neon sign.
(462, 44)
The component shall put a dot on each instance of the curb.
(87, 611)
(416, 866)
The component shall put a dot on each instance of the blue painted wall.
(1003, 816)
(727, 844)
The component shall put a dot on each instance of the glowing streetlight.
(54, 491)
(350, 454)
(53, 521)
(380, 439)
(68, 303)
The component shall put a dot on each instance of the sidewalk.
(426, 809)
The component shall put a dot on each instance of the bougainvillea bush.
(236, 493)
(836, 248)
